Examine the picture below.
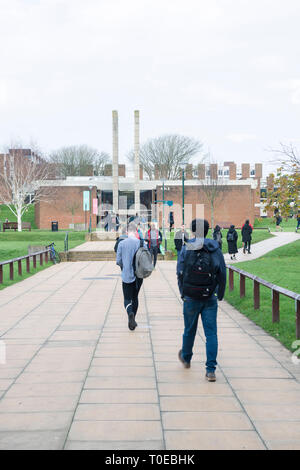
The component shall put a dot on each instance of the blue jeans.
(208, 310)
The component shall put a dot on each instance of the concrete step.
(100, 256)
(88, 256)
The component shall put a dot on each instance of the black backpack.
(230, 236)
(199, 278)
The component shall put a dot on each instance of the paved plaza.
(76, 378)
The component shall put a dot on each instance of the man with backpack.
(135, 262)
(201, 274)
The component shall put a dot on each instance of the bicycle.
(54, 255)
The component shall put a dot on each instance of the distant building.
(240, 201)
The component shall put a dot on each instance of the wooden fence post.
(11, 271)
(242, 286)
(298, 319)
(20, 267)
(256, 295)
(231, 281)
(275, 306)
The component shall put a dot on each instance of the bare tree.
(287, 157)
(214, 189)
(79, 160)
(21, 175)
(167, 153)
(100, 160)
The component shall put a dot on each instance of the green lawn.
(15, 244)
(281, 267)
(257, 236)
(5, 213)
(288, 225)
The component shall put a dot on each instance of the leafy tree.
(285, 197)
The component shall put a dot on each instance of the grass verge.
(281, 267)
(15, 244)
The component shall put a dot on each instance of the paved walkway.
(77, 378)
(95, 246)
(263, 247)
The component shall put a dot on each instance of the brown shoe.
(187, 365)
(210, 376)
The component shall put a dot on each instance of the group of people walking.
(201, 275)
(232, 238)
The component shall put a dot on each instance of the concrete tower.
(115, 161)
(137, 161)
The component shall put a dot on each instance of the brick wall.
(234, 207)
(59, 209)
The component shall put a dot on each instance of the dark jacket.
(119, 239)
(232, 244)
(178, 239)
(217, 235)
(246, 233)
(217, 260)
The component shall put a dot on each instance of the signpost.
(86, 205)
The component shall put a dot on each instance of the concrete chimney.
(115, 162)
(137, 161)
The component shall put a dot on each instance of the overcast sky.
(226, 72)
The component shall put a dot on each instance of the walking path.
(261, 248)
(76, 378)
(95, 246)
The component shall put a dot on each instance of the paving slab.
(76, 378)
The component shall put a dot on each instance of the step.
(88, 256)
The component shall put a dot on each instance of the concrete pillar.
(245, 171)
(137, 161)
(213, 171)
(232, 171)
(258, 170)
(189, 172)
(115, 161)
(201, 171)
(122, 170)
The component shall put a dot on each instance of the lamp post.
(90, 224)
(164, 233)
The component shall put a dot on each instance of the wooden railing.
(10, 262)
(276, 291)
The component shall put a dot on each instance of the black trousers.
(247, 245)
(154, 252)
(131, 292)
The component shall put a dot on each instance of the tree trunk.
(212, 216)
(19, 220)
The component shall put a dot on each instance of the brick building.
(239, 200)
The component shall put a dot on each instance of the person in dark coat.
(171, 220)
(181, 237)
(232, 237)
(246, 236)
(217, 235)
